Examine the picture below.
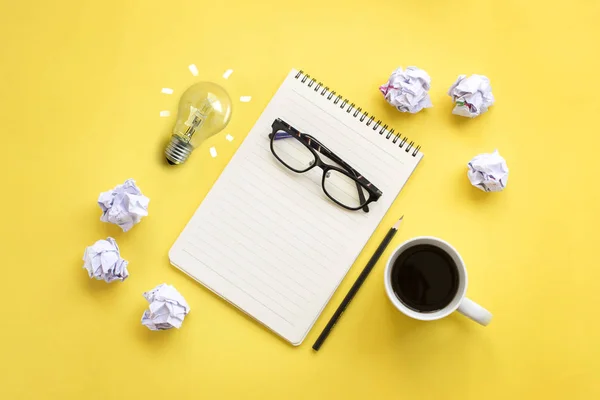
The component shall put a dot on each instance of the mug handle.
(470, 309)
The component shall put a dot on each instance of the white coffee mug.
(464, 306)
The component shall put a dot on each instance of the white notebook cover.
(268, 240)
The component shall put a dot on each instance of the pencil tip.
(397, 224)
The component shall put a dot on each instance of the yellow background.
(80, 99)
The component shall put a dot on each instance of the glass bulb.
(204, 111)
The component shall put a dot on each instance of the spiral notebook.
(268, 240)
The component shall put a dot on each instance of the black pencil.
(354, 289)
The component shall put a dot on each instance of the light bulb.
(204, 111)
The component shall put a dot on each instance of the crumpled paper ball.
(488, 172)
(125, 205)
(472, 96)
(408, 90)
(103, 261)
(167, 308)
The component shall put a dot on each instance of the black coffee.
(425, 278)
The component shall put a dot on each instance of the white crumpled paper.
(488, 172)
(125, 205)
(407, 90)
(103, 261)
(472, 96)
(167, 308)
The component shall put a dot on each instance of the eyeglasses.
(299, 152)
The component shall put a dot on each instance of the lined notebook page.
(268, 240)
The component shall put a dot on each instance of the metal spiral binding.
(348, 106)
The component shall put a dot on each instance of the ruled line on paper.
(299, 278)
(284, 215)
(247, 279)
(240, 288)
(263, 280)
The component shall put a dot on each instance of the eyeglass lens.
(344, 189)
(293, 153)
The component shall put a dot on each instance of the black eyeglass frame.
(316, 147)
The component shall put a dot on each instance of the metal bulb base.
(177, 151)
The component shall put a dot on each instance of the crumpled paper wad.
(103, 261)
(167, 308)
(488, 172)
(125, 205)
(408, 90)
(472, 96)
